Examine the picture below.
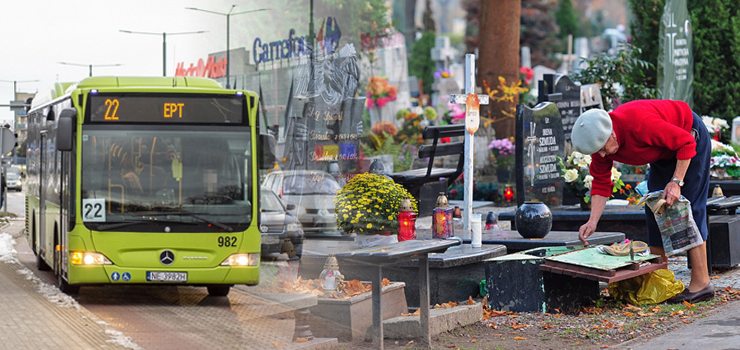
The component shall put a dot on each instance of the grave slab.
(349, 319)
(628, 219)
(514, 242)
(454, 275)
(440, 321)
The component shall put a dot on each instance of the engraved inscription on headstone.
(539, 145)
(570, 103)
(326, 120)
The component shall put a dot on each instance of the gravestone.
(442, 55)
(567, 97)
(675, 59)
(526, 57)
(539, 142)
(591, 97)
(325, 121)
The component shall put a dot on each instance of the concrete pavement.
(718, 331)
(35, 315)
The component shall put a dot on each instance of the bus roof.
(193, 82)
(60, 89)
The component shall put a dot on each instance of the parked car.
(13, 181)
(278, 225)
(312, 193)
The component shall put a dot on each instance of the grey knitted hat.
(591, 131)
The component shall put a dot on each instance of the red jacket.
(647, 131)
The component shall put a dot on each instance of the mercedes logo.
(167, 257)
(264, 228)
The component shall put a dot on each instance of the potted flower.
(578, 180)
(503, 156)
(725, 162)
(379, 92)
(715, 126)
(369, 204)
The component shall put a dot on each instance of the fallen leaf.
(451, 346)
(513, 316)
(493, 325)
(473, 340)
(631, 308)
(713, 277)
(685, 321)
(688, 304)
(519, 338)
(277, 344)
(496, 313)
(547, 326)
(415, 313)
(656, 309)
(470, 300)
(300, 340)
(628, 314)
(519, 326)
(643, 314)
(410, 342)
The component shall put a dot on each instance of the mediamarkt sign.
(210, 69)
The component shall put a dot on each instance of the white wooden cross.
(469, 138)
(569, 58)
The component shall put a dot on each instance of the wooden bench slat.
(446, 149)
(430, 132)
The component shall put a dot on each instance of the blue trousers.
(696, 183)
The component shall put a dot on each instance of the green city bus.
(138, 180)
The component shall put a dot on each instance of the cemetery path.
(604, 325)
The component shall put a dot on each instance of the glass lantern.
(330, 276)
(406, 221)
(442, 218)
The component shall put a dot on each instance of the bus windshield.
(189, 180)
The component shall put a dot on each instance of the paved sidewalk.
(718, 331)
(35, 315)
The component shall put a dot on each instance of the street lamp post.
(90, 65)
(228, 17)
(164, 44)
(15, 98)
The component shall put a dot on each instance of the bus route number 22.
(93, 209)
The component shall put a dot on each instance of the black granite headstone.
(539, 143)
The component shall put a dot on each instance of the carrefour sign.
(327, 38)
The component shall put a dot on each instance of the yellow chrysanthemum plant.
(369, 204)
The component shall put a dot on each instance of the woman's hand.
(671, 193)
(586, 231)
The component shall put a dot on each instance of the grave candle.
(406, 221)
(442, 218)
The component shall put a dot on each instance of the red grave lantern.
(406, 221)
(508, 194)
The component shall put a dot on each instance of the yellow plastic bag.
(652, 288)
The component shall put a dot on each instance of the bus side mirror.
(66, 129)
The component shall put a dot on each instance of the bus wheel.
(219, 290)
(40, 263)
(65, 287)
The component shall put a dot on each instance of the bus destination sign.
(179, 108)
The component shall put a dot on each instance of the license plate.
(162, 276)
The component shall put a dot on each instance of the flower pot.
(533, 220)
(503, 176)
(584, 205)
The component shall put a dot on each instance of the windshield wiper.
(142, 220)
(197, 216)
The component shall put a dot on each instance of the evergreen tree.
(566, 19)
(421, 64)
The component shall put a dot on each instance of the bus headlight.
(87, 258)
(242, 259)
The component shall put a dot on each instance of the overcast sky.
(37, 34)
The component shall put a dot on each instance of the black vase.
(533, 220)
